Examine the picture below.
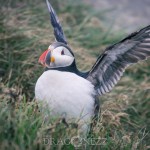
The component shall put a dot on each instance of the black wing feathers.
(58, 31)
(110, 66)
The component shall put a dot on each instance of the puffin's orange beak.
(42, 58)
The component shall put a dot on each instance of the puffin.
(74, 95)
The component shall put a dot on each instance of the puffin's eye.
(62, 52)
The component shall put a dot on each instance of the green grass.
(25, 33)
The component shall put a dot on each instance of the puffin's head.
(57, 55)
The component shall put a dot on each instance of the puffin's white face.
(56, 57)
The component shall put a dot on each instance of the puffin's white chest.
(66, 93)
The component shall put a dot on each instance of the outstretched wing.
(110, 66)
(58, 31)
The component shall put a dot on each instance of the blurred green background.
(25, 32)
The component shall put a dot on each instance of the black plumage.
(110, 65)
(58, 31)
